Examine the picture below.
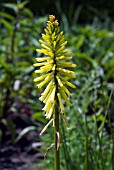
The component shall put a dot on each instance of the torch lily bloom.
(53, 67)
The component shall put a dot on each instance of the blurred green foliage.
(19, 34)
(89, 145)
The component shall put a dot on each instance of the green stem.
(65, 149)
(86, 167)
(13, 39)
(101, 162)
(56, 130)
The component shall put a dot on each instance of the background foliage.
(90, 142)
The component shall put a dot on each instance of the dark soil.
(12, 158)
(21, 155)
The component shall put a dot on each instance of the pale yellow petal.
(48, 78)
(39, 78)
(44, 94)
(65, 97)
(60, 102)
(42, 59)
(66, 72)
(67, 82)
(39, 64)
(59, 81)
(66, 90)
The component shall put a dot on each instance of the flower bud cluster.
(53, 68)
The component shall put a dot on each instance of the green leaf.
(28, 12)
(7, 25)
(87, 58)
(1, 134)
(80, 41)
(21, 5)
(24, 132)
(12, 6)
(11, 127)
(38, 116)
(6, 15)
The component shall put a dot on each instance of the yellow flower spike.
(52, 67)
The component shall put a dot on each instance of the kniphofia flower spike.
(53, 67)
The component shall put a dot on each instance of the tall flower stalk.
(54, 72)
